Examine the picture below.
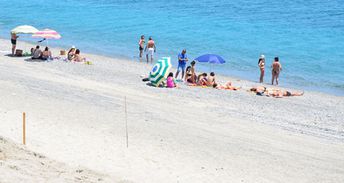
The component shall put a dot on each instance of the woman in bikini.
(261, 64)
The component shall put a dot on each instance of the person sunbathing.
(202, 79)
(259, 90)
(280, 93)
(71, 54)
(277, 93)
(227, 86)
(77, 57)
(211, 79)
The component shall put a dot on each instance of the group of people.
(149, 48)
(37, 53)
(276, 68)
(205, 80)
(74, 55)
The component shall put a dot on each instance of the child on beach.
(261, 65)
(170, 81)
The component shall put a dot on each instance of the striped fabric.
(47, 34)
(160, 71)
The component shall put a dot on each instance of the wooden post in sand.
(24, 137)
(126, 120)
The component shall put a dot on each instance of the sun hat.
(262, 56)
(73, 46)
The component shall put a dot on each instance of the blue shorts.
(181, 66)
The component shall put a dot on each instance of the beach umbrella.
(47, 34)
(211, 58)
(24, 29)
(160, 71)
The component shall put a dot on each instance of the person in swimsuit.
(170, 82)
(46, 54)
(77, 56)
(261, 64)
(71, 54)
(188, 74)
(182, 59)
(202, 79)
(211, 80)
(276, 69)
(150, 49)
(14, 38)
(277, 93)
(193, 78)
(141, 46)
(280, 93)
(227, 86)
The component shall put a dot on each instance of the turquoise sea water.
(308, 36)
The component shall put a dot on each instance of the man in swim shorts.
(14, 42)
(276, 69)
(150, 49)
(182, 59)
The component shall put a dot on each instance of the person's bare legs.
(261, 76)
(277, 75)
(13, 49)
(152, 59)
(177, 73)
(147, 58)
(140, 55)
(273, 78)
(182, 73)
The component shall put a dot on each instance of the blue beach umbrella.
(211, 58)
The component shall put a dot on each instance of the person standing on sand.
(150, 49)
(276, 69)
(261, 64)
(141, 46)
(14, 42)
(182, 59)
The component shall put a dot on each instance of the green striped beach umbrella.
(160, 71)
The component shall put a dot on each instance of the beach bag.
(19, 53)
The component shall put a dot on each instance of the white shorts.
(150, 51)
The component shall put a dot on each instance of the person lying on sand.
(77, 56)
(277, 93)
(227, 86)
(280, 93)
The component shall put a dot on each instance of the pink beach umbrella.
(47, 34)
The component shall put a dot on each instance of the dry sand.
(75, 115)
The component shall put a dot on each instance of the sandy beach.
(75, 118)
